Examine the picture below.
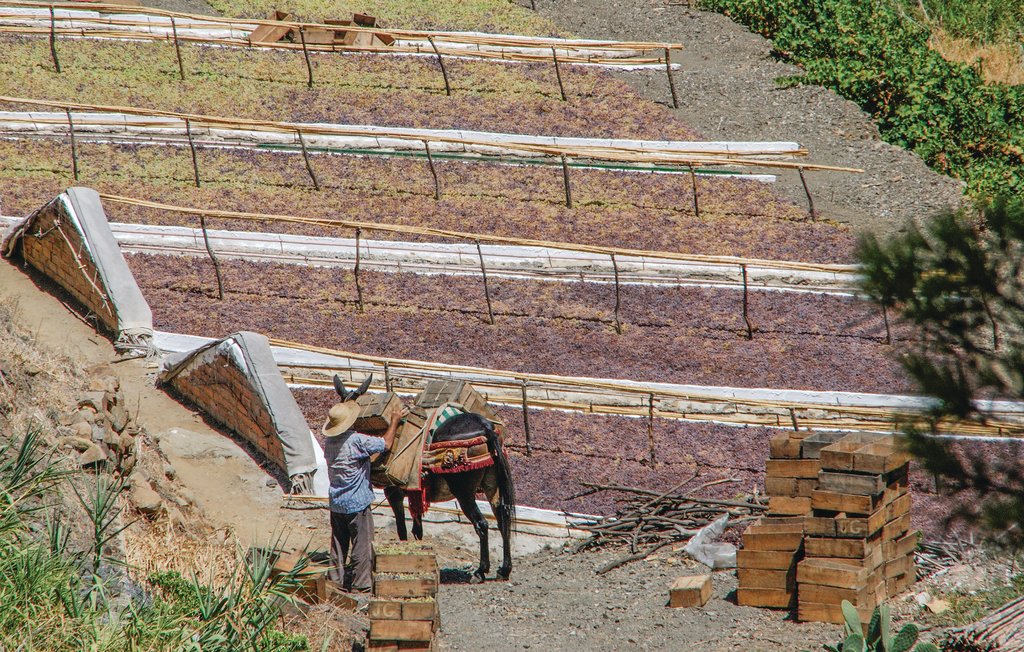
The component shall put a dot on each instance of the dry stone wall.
(69, 241)
(236, 381)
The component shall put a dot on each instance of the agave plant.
(878, 638)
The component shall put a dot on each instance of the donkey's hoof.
(504, 574)
(476, 578)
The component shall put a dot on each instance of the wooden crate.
(829, 613)
(690, 591)
(766, 598)
(792, 468)
(376, 410)
(424, 609)
(787, 506)
(839, 456)
(852, 548)
(420, 561)
(766, 559)
(811, 446)
(832, 572)
(401, 630)
(756, 578)
(784, 447)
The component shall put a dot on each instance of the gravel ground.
(727, 90)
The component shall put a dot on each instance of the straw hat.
(340, 418)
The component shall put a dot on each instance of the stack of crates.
(857, 537)
(403, 612)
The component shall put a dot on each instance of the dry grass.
(1000, 63)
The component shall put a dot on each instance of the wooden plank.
(401, 587)
(851, 483)
(787, 541)
(784, 447)
(400, 630)
(840, 502)
(269, 33)
(422, 610)
(844, 548)
(900, 547)
(769, 525)
(792, 468)
(829, 572)
(780, 486)
(897, 585)
(896, 528)
(412, 562)
(770, 598)
(898, 507)
(382, 646)
(690, 591)
(863, 596)
(385, 610)
(900, 566)
(756, 578)
(765, 560)
(786, 505)
(880, 458)
(811, 447)
(839, 456)
(813, 612)
(820, 526)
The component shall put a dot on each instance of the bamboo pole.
(650, 429)
(746, 317)
(693, 186)
(565, 183)
(671, 79)
(53, 41)
(792, 417)
(433, 171)
(305, 157)
(615, 268)
(359, 288)
(192, 147)
(526, 421)
(807, 191)
(74, 147)
(440, 62)
(387, 376)
(177, 49)
(487, 292)
(213, 258)
(305, 54)
(558, 74)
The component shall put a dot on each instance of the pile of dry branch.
(649, 520)
(1001, 630)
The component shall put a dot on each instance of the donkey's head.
(347, 395)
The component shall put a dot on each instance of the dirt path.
(727, 91)
(225, 482)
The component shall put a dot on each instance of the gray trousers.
(352, 542)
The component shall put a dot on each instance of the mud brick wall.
(67, 262)
(224, 393)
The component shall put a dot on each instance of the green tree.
(956, 280)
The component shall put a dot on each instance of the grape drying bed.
(638, 210)
(681, 335)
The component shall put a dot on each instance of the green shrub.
(872, 53)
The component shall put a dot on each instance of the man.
(349, 454)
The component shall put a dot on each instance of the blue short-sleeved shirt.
(348, 468)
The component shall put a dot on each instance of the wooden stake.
(192, 146)
(671, 79)
(885, 319)
(177, 49)
(359, 288)
(746, 318)
(615, 268)
(213, 258)
(305, 157)
(387, 376)
(807, 191)
(526, 421)
(565, 182)
(487, 292)
(558, 74)
(53, 41)
(440, 62)
(792, 417)
(650, 428)
(533, 5)
(693, 185)
(305, 53)
(433, 172)
(74, 147)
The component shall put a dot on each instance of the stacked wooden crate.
(857, 536)
(766, 566)
(403, 612)
(790, 477)
(458, 392)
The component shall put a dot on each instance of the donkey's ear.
(339, 387)
(362, 388)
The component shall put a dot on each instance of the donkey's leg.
(417, 526)
(493, 497)
(466, 495)
(396, 498)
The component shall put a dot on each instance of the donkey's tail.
(506, 490)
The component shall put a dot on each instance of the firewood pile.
(1000, 631)
(649, 520)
